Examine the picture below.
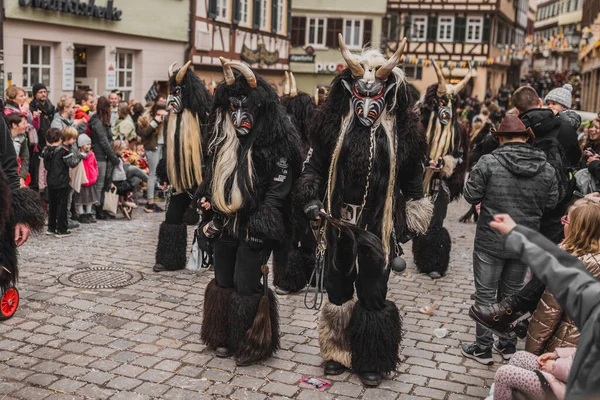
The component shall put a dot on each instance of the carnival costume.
(189, 101)
(444, 178)
(253, 160)
(16, 206)
(367, 165)
(292, 267)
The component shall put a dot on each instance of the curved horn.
(182, 72)
(171, 67)
(286, 84)
(355, 67)
(294, 88)
(461, 85)
(245, 70)
(229, 77)
(386, 69)
(317, 96)
(441, 81)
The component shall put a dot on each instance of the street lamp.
(573, 38)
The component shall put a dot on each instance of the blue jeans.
(495, 279)
(154, 157)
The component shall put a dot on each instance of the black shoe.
(223, 352)
(83, 218)
(51, 232)
(282, 291)
(370, 378)
(75, 217)
(91, 218)
(159, 268)
(63, 234)
(157, 208)
(334, 368)
(506, 351)
(100, 216)
(474, 352)
(149, 208)
(435, 275)
(108, 215)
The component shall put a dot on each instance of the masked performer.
(367, 165)
(253, 159)
(189, 102)
(445, 175)
(292, 267)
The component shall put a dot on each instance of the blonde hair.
(118, 146)
(13, 91)
(64, 102)
(123, 110)
(583, 235)
(69, 133)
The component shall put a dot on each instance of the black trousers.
(34, 169)
(238, 266)
(57, 213)
(178, 205)
(440, 209)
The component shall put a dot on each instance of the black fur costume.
(432, 250)
(262, 223)
(190, 102)
(18, 206)
(293, 267)
(363, 335)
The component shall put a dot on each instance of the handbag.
(111, 201)
(78, 177)
(198, 258)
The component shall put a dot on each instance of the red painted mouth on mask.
(246, 124)
(373, 114)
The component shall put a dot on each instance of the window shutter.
(298, 36)
(432, 28)
(274, 16)
(256, 15)
(367, 30)
(289, 17)
(460, 29)
(212, 8)
(235, 11)
(486, 30)
(334, 26)
(419, 72)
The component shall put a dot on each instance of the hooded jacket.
(514, 179)
(61, 123)
(577, 292)
(102, 141)
(550, 327)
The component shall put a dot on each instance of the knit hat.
(37, 87)
(562, 96)
(83, 139)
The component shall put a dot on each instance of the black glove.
(256, 241)
(312, 209)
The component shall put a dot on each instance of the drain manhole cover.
(100, 278)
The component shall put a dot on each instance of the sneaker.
(50, 232)
(474, 352)
(149, 208)
(506, 351)
(64, 234)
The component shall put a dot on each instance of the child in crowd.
(58, 159)
(87, 196)
(18, 129)
(119, 179)
(517, 179)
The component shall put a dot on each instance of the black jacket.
(57, 161)
(8, 158)
(546, 124)
(102, 141)
(514, 179)
(577, 292)
(47, 111)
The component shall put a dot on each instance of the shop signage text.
(76, 7)
(302, 58)
(329, 68)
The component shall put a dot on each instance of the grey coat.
(514, 179)
(577, 292)
(61, 123)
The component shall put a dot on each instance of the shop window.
(474, 29)
(80, 56)
(316, 32)
(353, 33)
(36, 65)
(446, 29)
(419, 29)
(124, 61)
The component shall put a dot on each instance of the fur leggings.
(519, 375)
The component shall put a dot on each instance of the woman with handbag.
(102, 148)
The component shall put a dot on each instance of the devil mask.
(241, 117)
(370, 84)
(446, 93)
(174, 101)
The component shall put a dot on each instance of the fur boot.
(375, 338)
(432, 251)
(215, 322)
(171, 251)
(334, 332)
(292, 270)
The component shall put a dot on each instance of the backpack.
(586, 183)
(557, 157)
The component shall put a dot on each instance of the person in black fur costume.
(293, 267)
(189, 104)
(253, 161)
(445, 175)
(367, 166)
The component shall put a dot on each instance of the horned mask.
(174, 100)
(370, 84)
(289, 85)
(241, 117)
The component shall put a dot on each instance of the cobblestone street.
(142, 341)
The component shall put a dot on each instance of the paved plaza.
(142, 341)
